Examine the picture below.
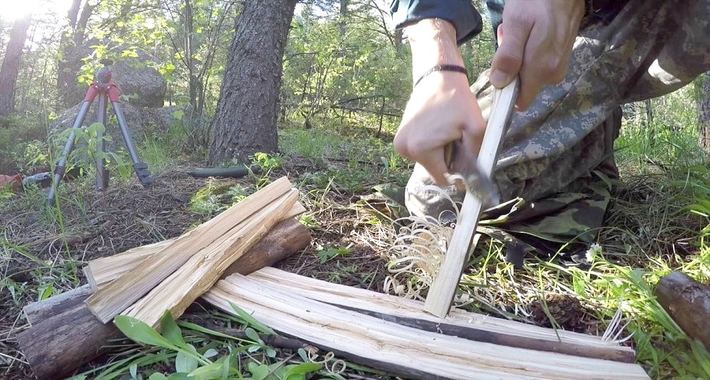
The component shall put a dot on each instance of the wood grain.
(102, 271)
(204, 268)
(441, 292)
(372, 341)
(109, 301)
(459, 323)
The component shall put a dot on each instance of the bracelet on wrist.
(454, 68)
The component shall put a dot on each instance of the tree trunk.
(247, 111)
(704, 111)
(11, 65)
(71, 52)
(342, 23)
(188, 31)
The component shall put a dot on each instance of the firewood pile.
(214, 261)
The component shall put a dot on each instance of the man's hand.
(441, 109)
(536, 39)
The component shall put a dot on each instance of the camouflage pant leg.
(650, 48)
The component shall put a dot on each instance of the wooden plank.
(460, 323)
(371, 340)
(203, 269)
(58, 343)
(106, 269)
(101, 271)
(111, 300)
(441, 292)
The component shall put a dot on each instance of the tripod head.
(103, 75)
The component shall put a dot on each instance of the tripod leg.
(139, 167)
(101, 174)
(62, 162)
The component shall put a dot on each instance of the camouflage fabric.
(556, 166)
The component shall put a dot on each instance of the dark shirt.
(460, 13)
(467, 21)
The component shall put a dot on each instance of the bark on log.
(65, 335)
(37, 312)
(688, 303)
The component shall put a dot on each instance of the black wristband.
(454, 68)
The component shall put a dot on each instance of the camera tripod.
(106, 91)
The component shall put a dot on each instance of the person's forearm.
(433, 42)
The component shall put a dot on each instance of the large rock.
(140, 83)
(141, 121)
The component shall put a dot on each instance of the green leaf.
(178, 115)
(227, 366)
(95, 128)
(171, 331)
(210, 353)
(258, 371)
(185, 363)
(129, 54)
(299, 371)
(217, 370)
(251, 321)
(46, 292)
(328, 254)
(252, 334)
(179, 376)
(140, 332)
(157, 376)
(303, 354)
(204, 330)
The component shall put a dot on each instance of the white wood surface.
(441, 292)
(388, 304)
(101, 271)
(373, 339)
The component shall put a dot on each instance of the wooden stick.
(372, 341)
(441, 293)
(460, 323)
(113, 299)
(199, 273)
(103, 270)
(65, 335)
